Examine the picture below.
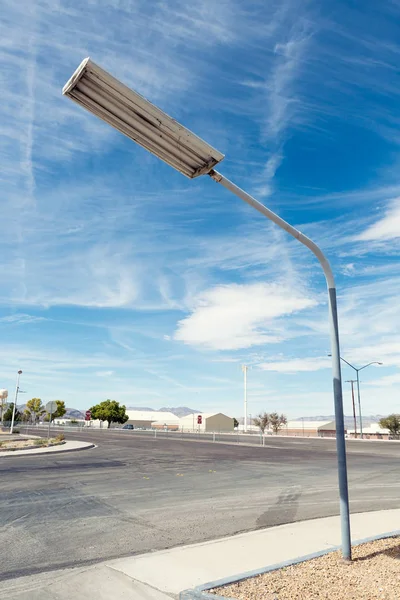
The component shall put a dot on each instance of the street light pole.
(359, 403)
(357, 370)
(335, 350)
(244, 369)
(15, 401)
(124, 109)
(352, 381)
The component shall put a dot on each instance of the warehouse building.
(212, 422)
(310, 428)
(372, 432)
(146, 418)
(166, 425)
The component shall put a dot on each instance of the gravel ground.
(16, 444)
(25, 443)
(374, 574)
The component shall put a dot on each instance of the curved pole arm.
(334, 332)
(374, 362)
(278, 221)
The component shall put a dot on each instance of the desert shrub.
(40, 442)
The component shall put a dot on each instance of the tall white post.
(15, 402)
(244, 369)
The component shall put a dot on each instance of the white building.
(214, 422)
(309, 428)
(67, 421)
(372, 432)
(145, 418)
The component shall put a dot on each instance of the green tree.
(7, 417)
(262, 421)
(392, 422)
(34, 409)
(277, 421)
(25, 416)
(109, 411)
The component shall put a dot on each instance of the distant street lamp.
(15, 402)
(244, 369)
(358, 386)
(353, 381)
(374, 362)
(134, 116)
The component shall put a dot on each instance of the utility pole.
(15, 401)
(357, 370)
(353, 381)
(244, 369)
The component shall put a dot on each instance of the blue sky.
(122, 279)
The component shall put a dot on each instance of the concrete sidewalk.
(162, 575)
(69, 446)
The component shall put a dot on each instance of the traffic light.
(199, 420)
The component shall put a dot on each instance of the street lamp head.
(19, 372)
(134, 116)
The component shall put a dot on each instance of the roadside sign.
(51, 407)
(199, 420)
(88, 415)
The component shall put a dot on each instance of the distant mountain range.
(72, 413)
(179, 411)
(348, 420)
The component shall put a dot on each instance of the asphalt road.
(134, 493)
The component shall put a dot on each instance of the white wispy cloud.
(385, 228)
(21, 319)
(284, 110)
(280, 85)
(296, 365)
(388, 381)
(239, 316)
(104, 373)
(86, 277)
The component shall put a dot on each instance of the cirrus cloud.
(386, 228)
(230, 317)
(295, 365)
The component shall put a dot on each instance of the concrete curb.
(28, 453)
(200, 592)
